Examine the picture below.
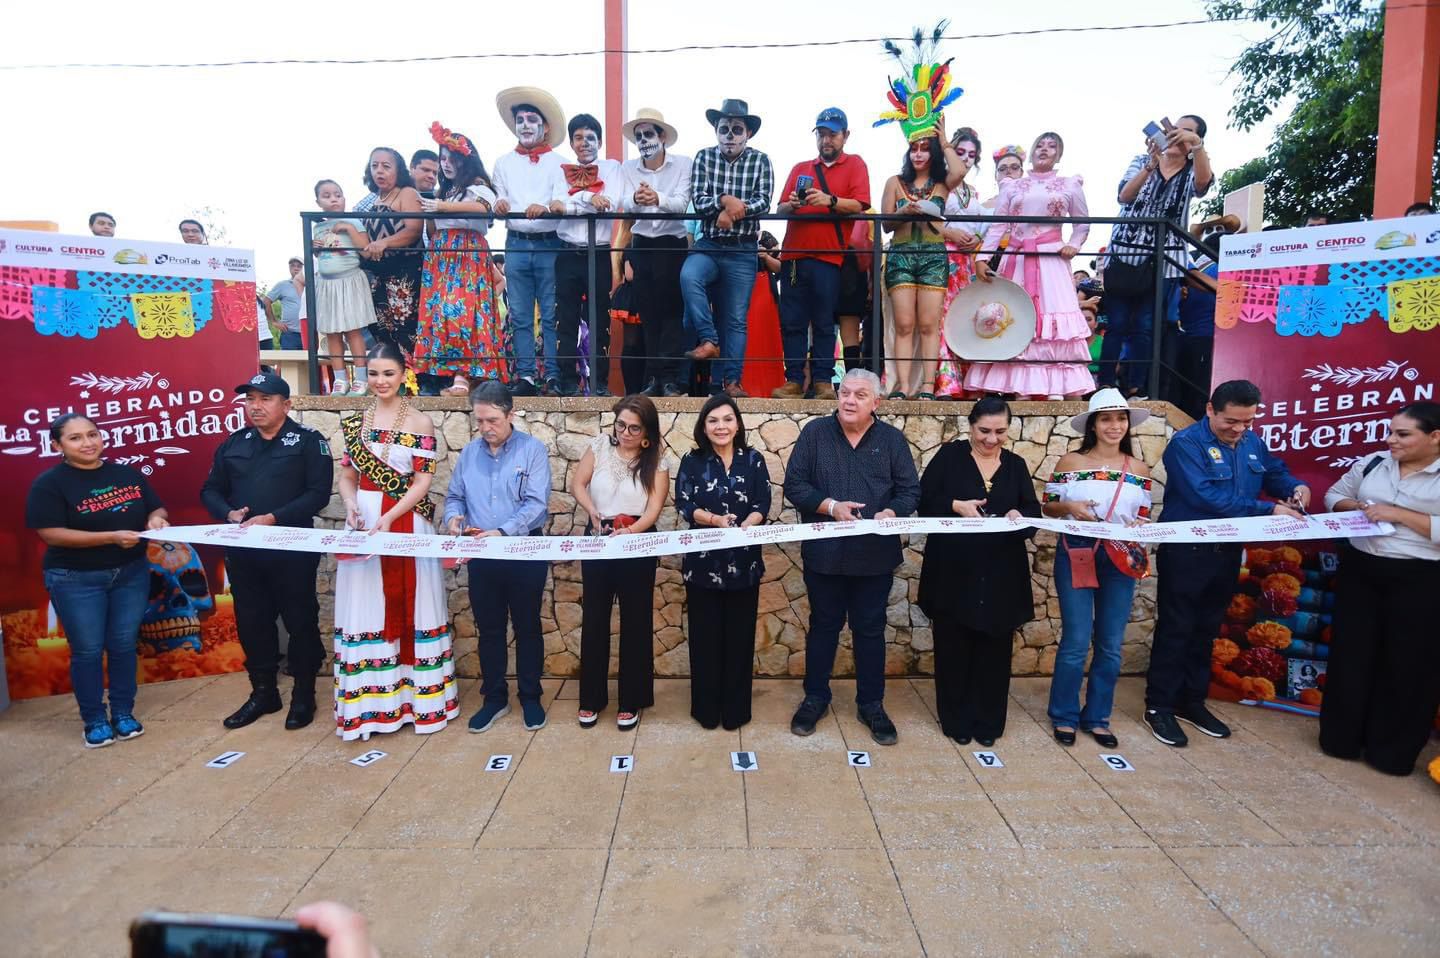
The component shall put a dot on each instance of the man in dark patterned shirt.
(844, 467)
(731, 183)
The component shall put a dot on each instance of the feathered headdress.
(924, 87)
(454, 142)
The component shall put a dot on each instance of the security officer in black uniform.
(274, 472)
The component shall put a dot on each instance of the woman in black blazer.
(976, 587)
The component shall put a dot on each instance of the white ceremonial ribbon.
(631, 545)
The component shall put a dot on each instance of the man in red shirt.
(833, 183)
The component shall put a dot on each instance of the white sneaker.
(360, 388)
(340, 386)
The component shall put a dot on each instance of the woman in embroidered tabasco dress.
(393, 663)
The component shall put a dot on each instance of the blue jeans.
(833, 599)
(101, 610)
(530, 279)
(809, 293)
(1086, 614)
(290, 339)
(723, 275)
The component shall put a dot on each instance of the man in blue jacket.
(1216, 469)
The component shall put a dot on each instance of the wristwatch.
(834, 201)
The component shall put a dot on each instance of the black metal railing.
(1163, 229)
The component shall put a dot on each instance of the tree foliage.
(1326, 57)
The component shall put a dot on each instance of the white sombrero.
(1108, 400)
(668, 134)
(549, 107)
(990, 321)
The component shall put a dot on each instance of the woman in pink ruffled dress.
(1059, 353)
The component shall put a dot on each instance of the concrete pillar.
(1409, 83)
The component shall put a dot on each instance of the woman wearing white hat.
(1102, 481)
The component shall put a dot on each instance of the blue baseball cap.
(832, 118)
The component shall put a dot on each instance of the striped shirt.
(1133, 242)
(750, 177)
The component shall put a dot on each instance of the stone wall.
(1040, 433)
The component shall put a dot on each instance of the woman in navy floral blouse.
(722, 484)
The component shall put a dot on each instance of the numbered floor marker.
(1117, 762)
(622, 763)
(859, 759)
(743, 761)
(225, 760)
(498, 763)
(988, 759)
(369, 758)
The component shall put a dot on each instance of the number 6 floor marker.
(498, 763)
(1118, 763)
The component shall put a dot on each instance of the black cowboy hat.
(735, 108)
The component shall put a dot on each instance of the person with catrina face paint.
(731, 183)
(524, 183)
(657, 181)
(589, 185)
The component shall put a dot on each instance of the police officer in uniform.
(1216, 469)
(274, 472)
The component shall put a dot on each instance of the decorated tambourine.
(990, 321)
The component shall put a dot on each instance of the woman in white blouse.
(621, 482)
(1383, 684)
(1099, 482)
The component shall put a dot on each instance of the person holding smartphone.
(90, 513)
(621, 482)
(1159, 182)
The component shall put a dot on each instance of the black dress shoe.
(1104, 739)
(671, 391)
(302, 711)
(963, 739)
(1065, 736)
(262, 701)
(985, 742)
(652, 388)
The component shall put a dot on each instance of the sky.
(152, 146)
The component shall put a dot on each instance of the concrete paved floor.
(1256, 845)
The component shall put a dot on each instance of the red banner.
(1339, 326)
(147, 340)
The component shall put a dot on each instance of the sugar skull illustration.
(179, 593)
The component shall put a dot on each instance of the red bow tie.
(582, 178)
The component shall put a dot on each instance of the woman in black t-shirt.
(90, 514)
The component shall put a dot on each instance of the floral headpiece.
(454, 142)
(924, 87)
(1010, 150)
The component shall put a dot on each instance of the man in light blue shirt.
(501, 487)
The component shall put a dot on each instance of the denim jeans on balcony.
(720, 276)
(530, 279)
(1086, 616)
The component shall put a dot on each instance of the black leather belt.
(547, 235)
